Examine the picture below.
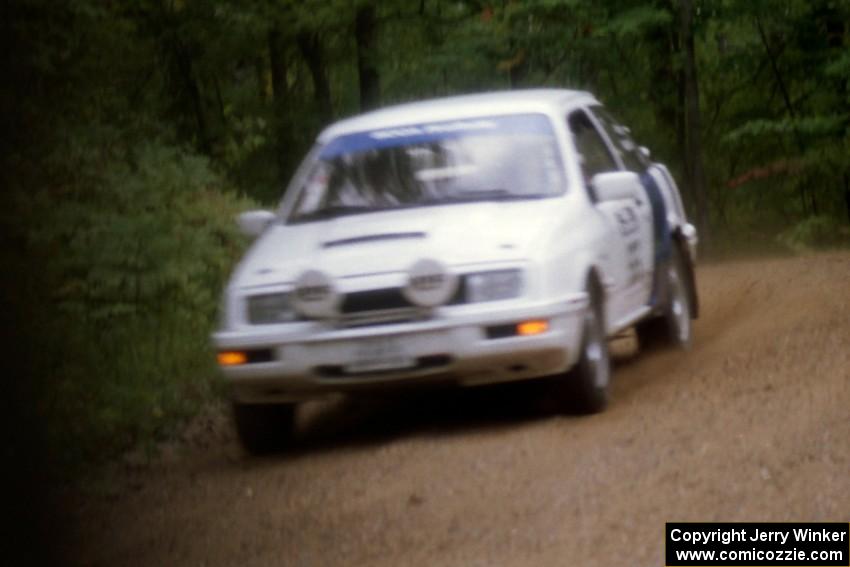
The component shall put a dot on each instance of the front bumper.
(452, 347)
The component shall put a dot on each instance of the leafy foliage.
(133, 132)
(814, 233)
(132, 297)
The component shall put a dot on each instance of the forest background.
(133, 132)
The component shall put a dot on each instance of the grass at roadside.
(812, 234)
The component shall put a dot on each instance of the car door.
(624, 148)
(624, 254)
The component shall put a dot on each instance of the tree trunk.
(681, 141)
(280, 106)
(260, 74)
(847, 195)
(190, 84)
(184, 82)
(662, 54)
(667, 91)
(365, 31)
(278, 66)
(789, 108)
(518, 69)
(693, 142)
(311, 48)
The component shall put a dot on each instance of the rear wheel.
(673, 326)
(263, 428)
(585, 387)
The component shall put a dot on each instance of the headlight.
(493, 286)
(269, 309)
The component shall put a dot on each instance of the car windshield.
(484, 159)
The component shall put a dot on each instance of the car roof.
(459, 107)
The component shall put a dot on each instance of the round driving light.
(429, 284)
(314, 295)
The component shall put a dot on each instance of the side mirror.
(689, 231)
(615, 186)
(644, 151)
(253, 223)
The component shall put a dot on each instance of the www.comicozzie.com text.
(726, 536)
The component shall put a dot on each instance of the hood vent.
(372, 238)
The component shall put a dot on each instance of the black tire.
(585, 388)
(264, 428)
(672, 328)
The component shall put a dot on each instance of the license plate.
(374, 355)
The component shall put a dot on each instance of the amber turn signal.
(232, 358)
(534, 327)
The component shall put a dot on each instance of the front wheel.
(585, 387)
(263, 428)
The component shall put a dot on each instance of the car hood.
(391, 241)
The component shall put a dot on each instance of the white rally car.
(467, 240)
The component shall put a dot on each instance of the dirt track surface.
(752, 425)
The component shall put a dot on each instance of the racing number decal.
(628, 223)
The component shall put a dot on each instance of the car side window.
(621, 137)
(593, 153)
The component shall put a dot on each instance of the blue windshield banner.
(435, 131)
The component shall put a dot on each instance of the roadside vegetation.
(134, 132)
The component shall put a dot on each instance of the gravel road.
(753, 424)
